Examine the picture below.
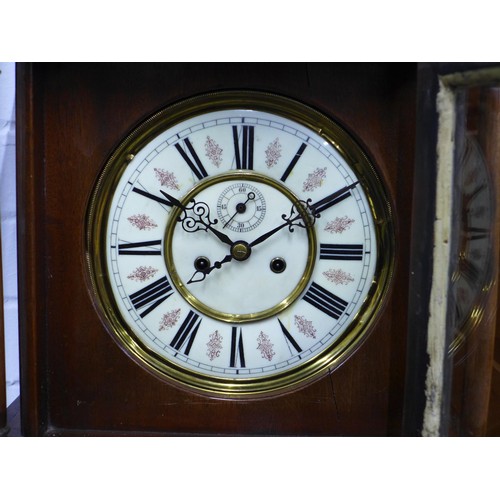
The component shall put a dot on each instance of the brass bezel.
(336, 353)
(247, 176)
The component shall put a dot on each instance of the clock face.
(239, 244)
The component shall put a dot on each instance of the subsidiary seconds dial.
(241, 207)
(240, 244)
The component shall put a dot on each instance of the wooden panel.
(75, 378)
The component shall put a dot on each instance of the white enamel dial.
(240, 249)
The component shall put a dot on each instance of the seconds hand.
(240, 208)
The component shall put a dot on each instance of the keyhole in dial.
(201, 263)
(278, 265)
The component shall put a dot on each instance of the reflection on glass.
(475, 401)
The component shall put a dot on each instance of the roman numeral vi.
(237, 357)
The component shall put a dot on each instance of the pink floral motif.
(170, 319)
(265, 346)
(314, 180)
(338, 276)
(167, 179)
(142, 222)
(304, 326)
(339, 224)
(273, 153)
(213, 151)
(142, 273)
(214, 345)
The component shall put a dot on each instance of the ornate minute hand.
(313, 211)
(264, 237)
(202, 220)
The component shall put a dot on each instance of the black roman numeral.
(333, 199)
(244, 154)
(163, 201)
(140, 248)
(477, 233)
(291, 341)
(325, 301)
(184, 338)
(294, 161)
(237, 357)
(151, 296)
(340, 252)
(192, 159)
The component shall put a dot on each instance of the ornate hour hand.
(196, 217)
(240, 251)
(200, 274)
